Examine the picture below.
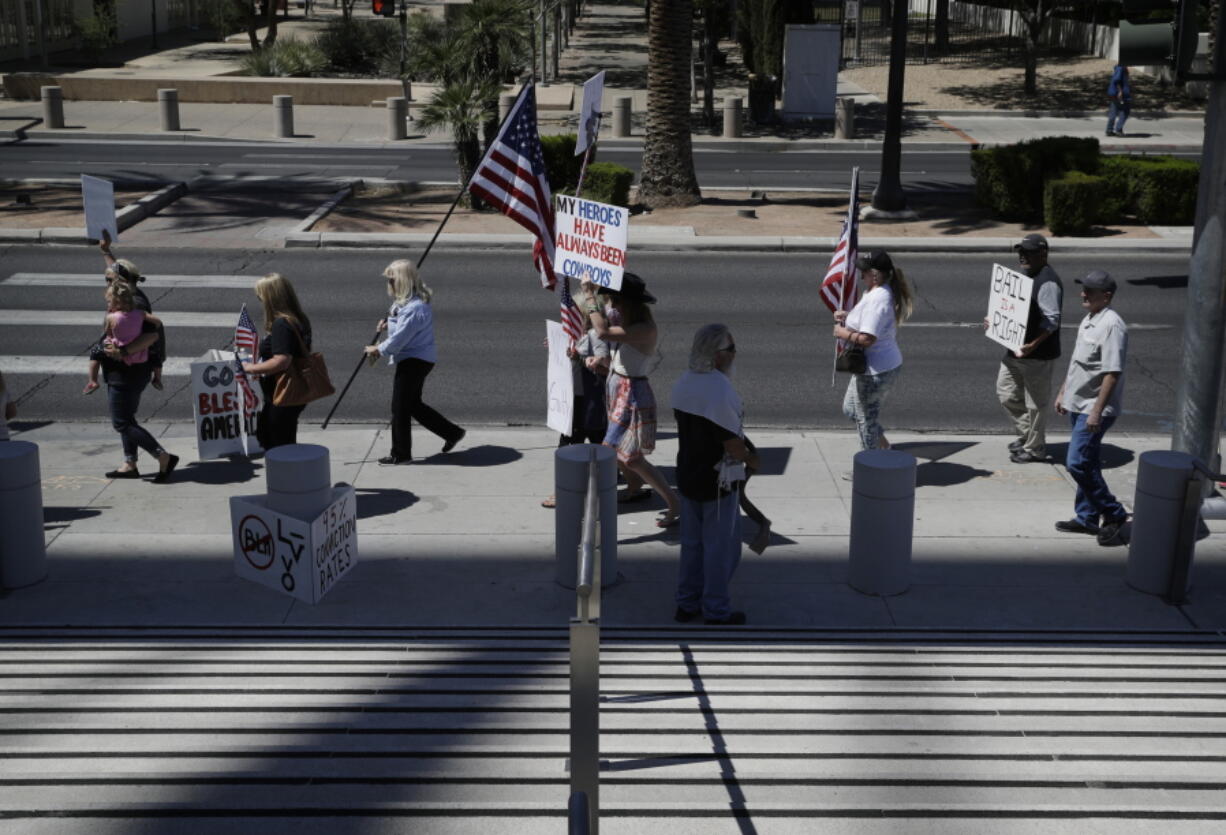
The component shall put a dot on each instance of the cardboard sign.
(1009, 307)
(303, 559)
(226, 419)
(591, 241)
(98, 196)
(561, 402)
(589, 115)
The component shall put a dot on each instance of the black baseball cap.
(1098, 280)
(1031, 243)
(879, 260)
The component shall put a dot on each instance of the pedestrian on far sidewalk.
(410, 347)
(1119, 95)
(1091, 396)
(712, 457)
(1023, 383)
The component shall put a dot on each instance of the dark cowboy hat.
(633, 289)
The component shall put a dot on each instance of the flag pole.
(852, 202)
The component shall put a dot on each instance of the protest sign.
(1008, 307)
(589, 115)
(591, 241)
(226, 418)
(561, 380)
(98, 197)
(299, 557)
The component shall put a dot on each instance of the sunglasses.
(730, 349)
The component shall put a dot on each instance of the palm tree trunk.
(668, 177)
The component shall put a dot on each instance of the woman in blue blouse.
(410, 347)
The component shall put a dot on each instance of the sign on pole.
(226, 417)
(98, 196)
(1009, 307)
(591, 241)
(589, 115)
(561, 380)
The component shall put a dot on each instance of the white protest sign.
(98, 196)
(1008, 307)
(226, 418)
(299, 557)
(560, 379)
(591, 241)
(589, 115)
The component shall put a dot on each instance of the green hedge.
(608, 182)
(561, 164)
(1157, 189)
(1010, 180)
(1072, 204)
(604, 181)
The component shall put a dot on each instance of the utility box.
(810, 71)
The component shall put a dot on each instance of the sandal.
(550, 502)
(668, 519)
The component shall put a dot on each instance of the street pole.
(405, 83)
(889, 201)
(153, 23)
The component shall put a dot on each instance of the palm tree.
(461, 106)
(492, 44)
(667, 177)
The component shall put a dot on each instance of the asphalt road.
(489, 312)
(182, 161)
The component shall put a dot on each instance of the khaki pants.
(1023, 387)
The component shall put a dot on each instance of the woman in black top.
(287, 335)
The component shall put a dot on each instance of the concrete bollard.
(1162, 483)
(570, 465)
(845, 118)
(397, 115)
(299, 479)
(732, 117)
(53, 107)
(622, 121)
(882, 520)
(23, 550)
(505, 103)
(283, 112)
(168, 108)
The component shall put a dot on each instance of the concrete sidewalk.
(462, 540)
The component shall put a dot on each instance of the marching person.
(1023, 383)
(712, 457)
(287, 335)
(123, 270)
(872, 324)
(1091, 396)
(631, 402)
(410, 347)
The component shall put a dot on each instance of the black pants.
(590, 421)
(407, 406)
(278, 424)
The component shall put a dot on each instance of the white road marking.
(93, 318)
(242, 282)
(174, 366)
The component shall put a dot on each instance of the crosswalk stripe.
(11, 365)
(241, 282)
(93, 318)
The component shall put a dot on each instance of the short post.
(53, 107)
(23, 551)
(1158, 543)
(505, 103)
(621, 116)
(283, 114)
(570, 475)
(845, 118)
(299, 479)
(882, 521)
(732, 117)
(397, 116)
(168, 108)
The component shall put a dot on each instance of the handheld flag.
(572, 319)
(839, 288)
(246, 339)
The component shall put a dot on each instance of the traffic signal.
(1159, 32)
(384, 8)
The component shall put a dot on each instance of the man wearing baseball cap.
(1090, 396)
(1023, 384)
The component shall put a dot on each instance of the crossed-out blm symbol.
(255, 539)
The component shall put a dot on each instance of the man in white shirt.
(1091, 396)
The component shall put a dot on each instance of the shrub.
(608, 182)
(357, 46)
(1072, 203)
(97, 32)
(561, 164)
(1157, 189)
(1010, 180)
(286, 57)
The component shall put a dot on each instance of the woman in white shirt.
(873, 325)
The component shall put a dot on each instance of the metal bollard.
(53, 107)
(283, 111)
(570, 467)
(1159, 506)
(882, 520)
(732, 117)
(845, 118)
(505, 103)
(299, 479)
(23, 550)
(397, 115)
(168, 108)
(622, 116)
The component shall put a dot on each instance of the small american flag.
(245, 337)
(512, 179)
(244, 383)
(572, 319)
(839, 289)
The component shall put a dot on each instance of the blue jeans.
(1094, 498)
(1117, 115)
(124, 400)
(862, 403)
(710, 553)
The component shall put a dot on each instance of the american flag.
(245, 337)
(511, 178)
(244, 383)
(572, 319)
(839, 289)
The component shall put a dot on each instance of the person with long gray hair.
(712, 457)
(409, 346)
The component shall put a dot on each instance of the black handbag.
(851, 360)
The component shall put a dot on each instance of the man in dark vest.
(1023, 384)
